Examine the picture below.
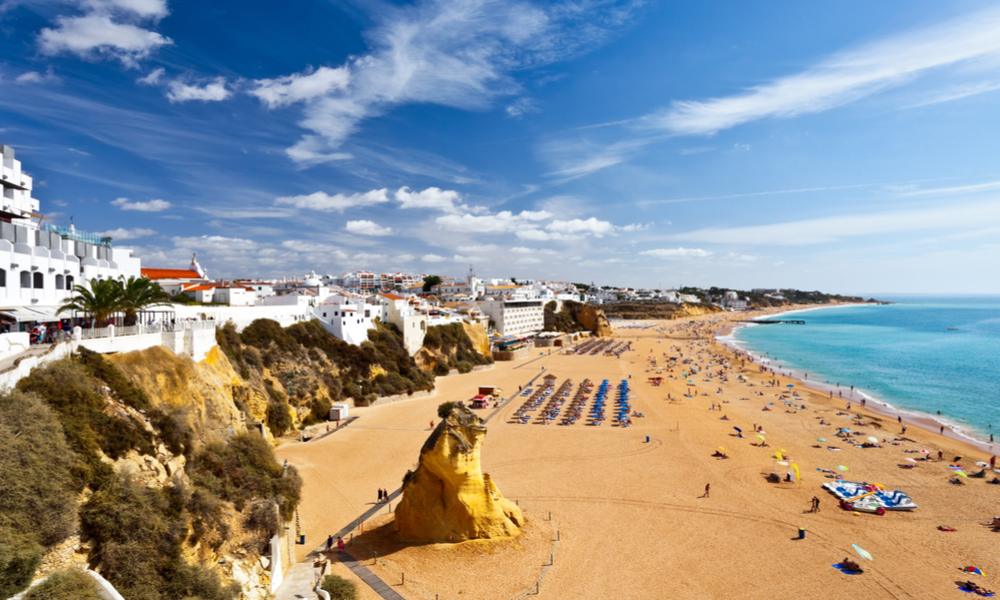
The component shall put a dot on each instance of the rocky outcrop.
(448, 498)
(594, 320)
(205, 390)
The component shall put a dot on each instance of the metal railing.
(76, 235)
(96, 333)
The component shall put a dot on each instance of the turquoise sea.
(921, 355)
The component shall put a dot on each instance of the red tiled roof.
(392, 297)
(200, 288)
(170, 274)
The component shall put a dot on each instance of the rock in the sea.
(449, 498)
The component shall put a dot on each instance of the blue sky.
(839, 146)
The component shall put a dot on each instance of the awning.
(45, 314)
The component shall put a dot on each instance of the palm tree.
(137, 294)
(100, 301)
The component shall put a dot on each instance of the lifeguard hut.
(550, 380)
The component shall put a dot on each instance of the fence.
(415, 586)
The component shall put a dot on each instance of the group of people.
(383, 496)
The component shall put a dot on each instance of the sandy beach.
(633, 518)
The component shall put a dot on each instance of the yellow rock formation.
(449, 498)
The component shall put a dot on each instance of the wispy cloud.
(213, 91)
(458, 54)
(337, 202)
(844, 77)
(963, 217)
(127, 234)
(676, 253)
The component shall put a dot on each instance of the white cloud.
(941, 217)
(367, 228)
(215, 243)
(153, 77)
(479, 249)
(402, 258)
(127, 234)
(528, 260)
(501, 222)
(677, 253)
(536, 251)
(95, 35)
(36, 77)
(843, 77)
(282, 91)
(150, 206)
(457, 54)
(432, 197)
(210, 92)
(592, 226)
(635, 227)
(154, 9)
(432, 258)
(337, 202)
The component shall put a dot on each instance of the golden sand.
(632, 517)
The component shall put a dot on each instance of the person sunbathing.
(976, 588)
(851, 566)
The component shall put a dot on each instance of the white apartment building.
(514, 317)
(347, 317)
(40, 262)
(412, 323)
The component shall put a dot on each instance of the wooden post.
(404, 578)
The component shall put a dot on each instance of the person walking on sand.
(329, 543)
(432, 424)
(993, 462)
(708, 488)
(340, 544)
(379, 496)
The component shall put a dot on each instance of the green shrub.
(72, 392)
(441, 368)
(279, 418)
(36, 488)
(20, 556)
(140, 533)
(340, 588)
(463, 366)
(444, 409)
(244, 468)
(71, 584)
(121, 386)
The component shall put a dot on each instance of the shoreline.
(873, 405)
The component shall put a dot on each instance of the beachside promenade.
(633, 518)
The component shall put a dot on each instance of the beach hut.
(550, 379)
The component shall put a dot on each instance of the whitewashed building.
(40, 262)
(347, 317)
(514, 317)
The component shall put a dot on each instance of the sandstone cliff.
(658, 311)
(575, 316)
(448, 498)
(449, 345)
(204, 390)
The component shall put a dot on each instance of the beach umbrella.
(961, 473)
(872, 440)
(924, 452)
(760, 436)
(738, 429)
(798, 476)
(720, 449)
(911, 460)
(862, 552)
(841, 468)
(982, 464)
(975, 570)
(820, 439)
(790, 385)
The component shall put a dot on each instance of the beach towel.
(962, 589)
(840, 567)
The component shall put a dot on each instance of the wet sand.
(633, 518)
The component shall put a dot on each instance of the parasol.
(862, 552)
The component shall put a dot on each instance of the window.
(69, 282)
(25, 279)
(3, 278)
(60, 284)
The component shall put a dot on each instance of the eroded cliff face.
(428, 356)
(204, 390)
(448, 498)
(660, 311)
(594, 320)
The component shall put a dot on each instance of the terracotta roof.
(170, 274)
(200, 288)
(392, 297)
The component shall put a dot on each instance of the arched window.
(39, 281)
(25, 279)
(69, 282)
(3, 278)
(60, 283)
